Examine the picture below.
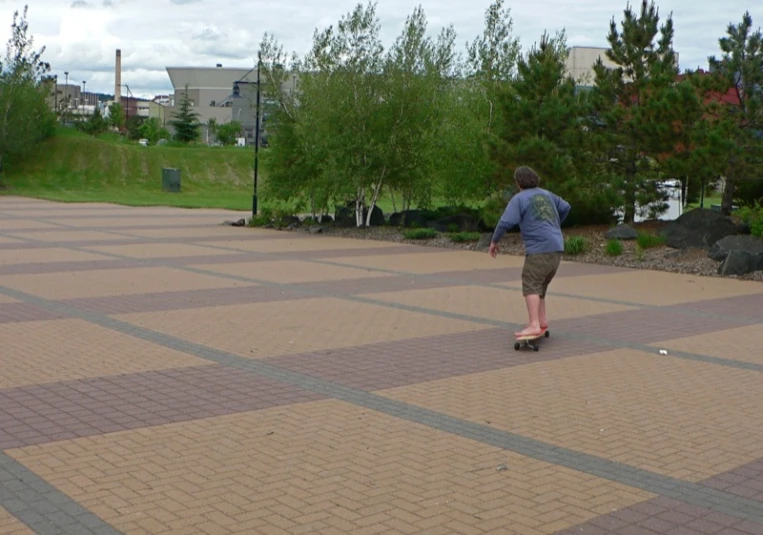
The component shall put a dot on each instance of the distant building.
(581, 60)
(211, 92)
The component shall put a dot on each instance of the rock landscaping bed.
(700, 242)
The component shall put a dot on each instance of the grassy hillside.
(75, 167)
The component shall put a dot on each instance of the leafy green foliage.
(461, 237)
(646, 240)
(227, 133)
(575, 245)
(628, 126)
(752, 216)
(739, 70)
(95, 125)
(614, 247)
(152, 130)
(117, 115)
(420, 234)
(25, 116)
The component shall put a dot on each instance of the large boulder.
(621, 232)
(455, 223)
(345, 216)
(739, 254)
(408, 218)
(698, 228)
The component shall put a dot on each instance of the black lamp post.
(237, 93)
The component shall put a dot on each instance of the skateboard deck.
(527, 341)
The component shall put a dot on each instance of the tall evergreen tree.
(541, 114)
(186, 120)
(626, 99)
(740, 69)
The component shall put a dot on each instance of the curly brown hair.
(526, 178)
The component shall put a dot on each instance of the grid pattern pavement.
(162, 373)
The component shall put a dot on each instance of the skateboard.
(527, 341)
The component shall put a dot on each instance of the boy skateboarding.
(539, 214)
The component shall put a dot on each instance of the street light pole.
(256, 138)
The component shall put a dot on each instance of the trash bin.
(171, 180)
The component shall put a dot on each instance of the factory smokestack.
(118, 77)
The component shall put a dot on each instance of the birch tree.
(416, 76)
(489, 66)
(25, 116)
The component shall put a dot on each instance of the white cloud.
(82, 35)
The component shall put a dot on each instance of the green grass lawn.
(74, 167)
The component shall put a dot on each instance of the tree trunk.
(728, 196)
(359, 205)
(374, 198)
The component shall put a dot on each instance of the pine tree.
(540, 114)
(740, 70)
(186, 120)
(626, 100)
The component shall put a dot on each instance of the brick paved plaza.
(164, 374)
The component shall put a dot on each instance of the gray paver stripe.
(694, 493)
(598, 340)
(43, 508)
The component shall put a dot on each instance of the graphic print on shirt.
(542, 208)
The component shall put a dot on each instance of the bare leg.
(542, 318)
(533, 311)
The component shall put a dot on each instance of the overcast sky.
(82, 35)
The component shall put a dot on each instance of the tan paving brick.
(433, 262)
(10, 224)
(43, 255)
(154, 250)
(224, 232)
(49, 351)
(300, 243)
(99, 283)
(10, 525)
(743, 344)
(114, 220)
(652, 287)
(276, 328)
(4, 239)
(493, 303)
(346, 465)
(676, 417)
(75, 235)
(291, 271)
(6, 299)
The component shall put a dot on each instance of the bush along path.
(700, 242)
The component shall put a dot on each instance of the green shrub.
(260, 221)
(648, 241)
(614, 247)
(590, 207)
(575, 245)
(453, 228)
(420, 234)
(491, 210)
(460, 237)
(752, 216)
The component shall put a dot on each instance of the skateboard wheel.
(516, 346)
(536, 348)
(547, 334)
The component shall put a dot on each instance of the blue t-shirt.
(539, 214)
